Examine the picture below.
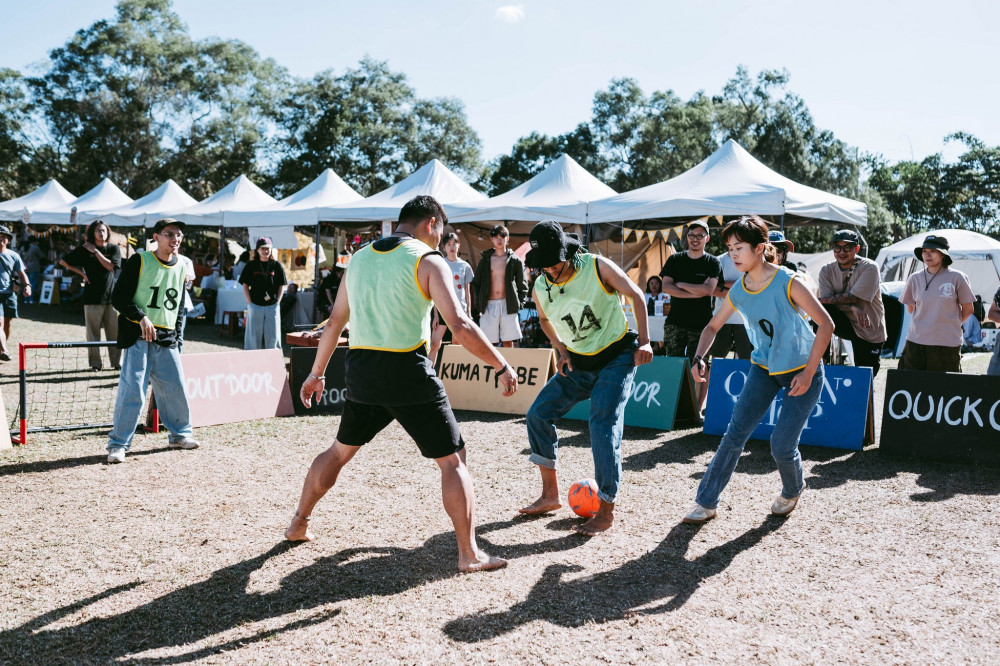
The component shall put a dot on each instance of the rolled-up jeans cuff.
(604, 497)
(542, 461)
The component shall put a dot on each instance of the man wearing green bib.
(387, 294)
(148, 296)
(579, 309)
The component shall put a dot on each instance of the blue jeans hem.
(542, 461)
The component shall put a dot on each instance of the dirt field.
(177, 556)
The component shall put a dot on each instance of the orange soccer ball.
(583, 498)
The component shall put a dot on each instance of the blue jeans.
(754, 401)
(142, 362)
(609, 390)
(263, 327)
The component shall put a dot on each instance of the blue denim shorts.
(8, 305)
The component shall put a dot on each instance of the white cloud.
(510, 13)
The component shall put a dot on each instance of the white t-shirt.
(731, 274)
(462, 274)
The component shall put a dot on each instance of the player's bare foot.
(541, 505)
(483, 562)
(299, 529)
(600, 523)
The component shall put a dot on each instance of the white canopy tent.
(49, 196)
(976, 255)
(217, 210)
(103, 196)
(729, 182)
(301, 208)
(144, 211)
(560, 192)
(433, 178)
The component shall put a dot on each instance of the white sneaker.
(116, 455)
(783, 506)
(186, 443)
(698, 515)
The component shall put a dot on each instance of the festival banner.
(224, 387)
(331, 400)
(842, 419)
(471, 384)
(663, 396)
(942, 416)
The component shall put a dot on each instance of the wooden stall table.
(308, 339)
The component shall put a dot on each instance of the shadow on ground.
(942, 480)
(660, 581)
(198, 612)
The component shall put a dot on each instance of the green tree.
(532, 153)
(16, 167)
(369, 126)
(137, 100)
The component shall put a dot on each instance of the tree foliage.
(369, 126)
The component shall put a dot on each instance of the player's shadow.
(196, 613)
(42, 466)
(660, 581)
(683, 449)
(942, 480)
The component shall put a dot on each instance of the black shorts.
(432, 425)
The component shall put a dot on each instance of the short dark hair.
(419, 208)
(91, 230)
(451, 236)
(750, 229)
(499, 230)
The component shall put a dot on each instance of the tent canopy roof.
(49, 196)
(560, 192)
(433, 178)
(101, 197)
(300, 208)
(146, 210)
(730, 181)
(241, 194)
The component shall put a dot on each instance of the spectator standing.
(733, 334)
(851, 291)
(287, 307)
(500, 290)
(97, 262)
(328, 288)
(994, 315)
(940, 301)
(33, 258)
(782, 246)
(690, 279)
(263, 282)
(188, 303)
(656, 300)
(148, 298)
(10, 263)
(462, 275)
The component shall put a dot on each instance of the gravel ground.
(177, 556)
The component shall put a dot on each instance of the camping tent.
(976, 255)
(103, 196)
(144, 211)
(560, 192)
(729, 182)
(433, 178)
(48, 196)
(217, 210)
(301, 208)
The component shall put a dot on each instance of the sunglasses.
(697, 236)
(494, 234)
(843, 248)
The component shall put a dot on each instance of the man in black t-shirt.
(690, 279)
(263, 282)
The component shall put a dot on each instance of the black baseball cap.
(167, 222)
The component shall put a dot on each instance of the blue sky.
(888, 77)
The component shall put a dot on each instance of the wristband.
(505, 369)
(698, 359)
(319, 379)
